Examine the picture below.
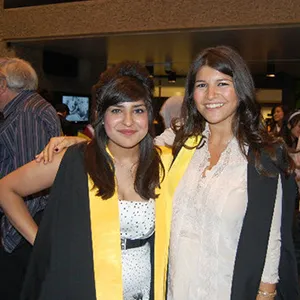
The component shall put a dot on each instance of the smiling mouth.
(127, 132)
(214, 105)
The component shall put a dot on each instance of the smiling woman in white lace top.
(208, 214)
(230, 236)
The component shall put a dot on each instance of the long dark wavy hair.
(125, 82)
(247, 126)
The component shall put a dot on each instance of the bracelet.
(266, 294)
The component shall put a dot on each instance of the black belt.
(128, 244)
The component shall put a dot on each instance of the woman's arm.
(56, 145)
(270, 273)
(267, 291)
(27, 180)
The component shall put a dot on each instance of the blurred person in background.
(290, 132)
(279, 115)
(291, 136)
(171, 109)
(66, 126)
(28, 122)
(293, 130)
(170, 112)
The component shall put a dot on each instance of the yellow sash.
(164, 216)
(180, 164)
(105, 228)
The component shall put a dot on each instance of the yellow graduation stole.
(164, 215)
(180, 164)
(105, 228)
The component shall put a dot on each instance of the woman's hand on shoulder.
(56, 145)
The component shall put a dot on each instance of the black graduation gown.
(50, 277)
(61, 265)
(253, 242)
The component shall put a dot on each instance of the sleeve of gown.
(270, 272)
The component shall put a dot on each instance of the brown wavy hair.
(125, 82)
(248, 126)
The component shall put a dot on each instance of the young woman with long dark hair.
(233, 206)
(96, 240)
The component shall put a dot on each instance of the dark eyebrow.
(122, 105)
(117, 105)
(139, 105)
(218, 80)
(225, 79)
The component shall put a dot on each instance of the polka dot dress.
(137, 221)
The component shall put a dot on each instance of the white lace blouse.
(208, 213)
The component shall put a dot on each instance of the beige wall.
(89, 71)
(111, 17)
(130, 16)
(3, 49)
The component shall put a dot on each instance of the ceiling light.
(270, 69)
(150, 69)
(171, 77)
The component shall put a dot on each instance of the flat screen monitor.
(78, 106)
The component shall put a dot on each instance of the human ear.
(3, 85)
